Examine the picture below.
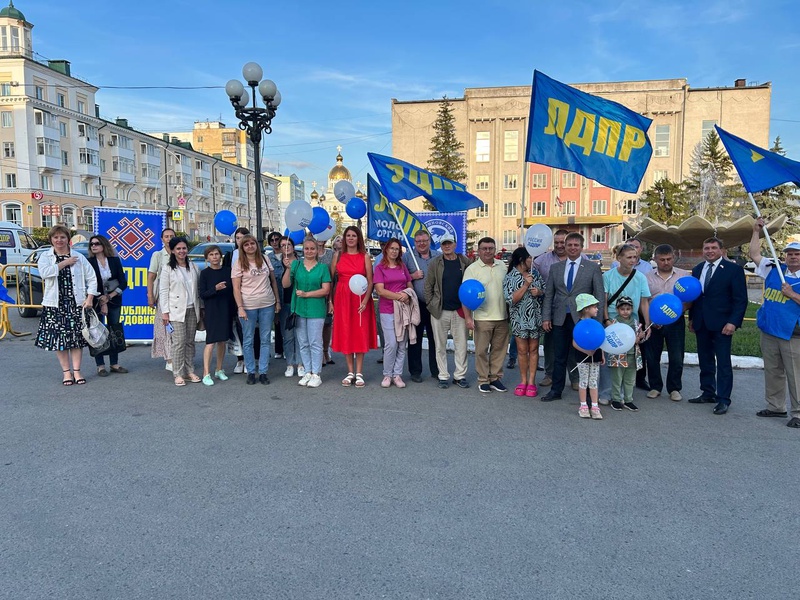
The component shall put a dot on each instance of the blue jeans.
(308, 335)
(261, 317)
(289, 343)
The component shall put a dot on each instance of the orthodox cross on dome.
(339, 149)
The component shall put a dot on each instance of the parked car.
(30, 282)
(196, 254)
(15, 245)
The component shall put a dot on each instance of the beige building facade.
(492, 123)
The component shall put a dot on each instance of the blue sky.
(339, 64)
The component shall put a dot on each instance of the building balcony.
(87, 171)
(48, 163)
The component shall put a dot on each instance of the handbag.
(291, 320)
(110, 286)
(94, 332)
(116, 341)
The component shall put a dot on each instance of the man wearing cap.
(419, 269)
(442, 282)
(489, 320)
(662, 281)
(566, 280)
(714, 317)
(779, 322)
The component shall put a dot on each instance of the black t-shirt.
(451, 281)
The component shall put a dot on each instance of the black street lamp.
(254, 119)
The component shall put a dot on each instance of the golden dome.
(359, 194)
(339, 172)
(314, 195)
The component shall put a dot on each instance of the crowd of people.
(322, 300)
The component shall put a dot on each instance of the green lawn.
(745, 340)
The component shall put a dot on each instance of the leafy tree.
(446, 156)
(666, 202)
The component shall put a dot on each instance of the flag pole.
(769, 239)
(405, 237)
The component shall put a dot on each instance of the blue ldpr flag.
(597, 138)
(758, 169)
(381, 224)
(403, 181)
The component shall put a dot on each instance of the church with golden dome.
(328, 201)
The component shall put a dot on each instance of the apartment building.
(492, 123)
(60, 159)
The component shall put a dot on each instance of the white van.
(15, 244)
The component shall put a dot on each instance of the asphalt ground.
(130, 487)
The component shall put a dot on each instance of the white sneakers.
(301, 370)
(310, 380)
(289, 372)
(653, 394)
(239, 368)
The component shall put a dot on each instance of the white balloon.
(298, 215)
(344, 190)
(619, 338)
(327, 233)
(358, 284)
(538, 239)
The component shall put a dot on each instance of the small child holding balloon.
(624, 366)
(589, 368)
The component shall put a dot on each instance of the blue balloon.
(665, 309)
(225, 222)
(687, 288)
(589, 334)
(356, 208)
(472, 293)
(298, 236)
(320, 220)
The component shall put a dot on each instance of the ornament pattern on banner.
(131, 238)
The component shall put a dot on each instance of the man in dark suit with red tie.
(713, 318)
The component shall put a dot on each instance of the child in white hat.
(588, 368)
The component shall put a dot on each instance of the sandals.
(194, 378)
(360, 383)
(520, 389)
(348, 380)
(179, 381)
(67, 382)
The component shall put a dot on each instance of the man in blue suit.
(713, 318)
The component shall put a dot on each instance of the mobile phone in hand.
(170, 328)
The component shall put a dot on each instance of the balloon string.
(360, 312)
(580, 363)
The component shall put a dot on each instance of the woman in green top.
(310, 281)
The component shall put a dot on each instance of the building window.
(568, 207)
(599, 207)
(47, 147)
(62, 128)
(662, 141)
(539, 181)
(82, 106)
(6, 118)
(13, 213)
(630, 206)
(61, 100)
(11, 180)
(88, 219)
(66, 185)
(46, 182)
(659, 176)
(89, 157)
(482, 146)
(511, 145)
(38, 91)
(538, 209)
(509, 209)
(5, 89)
(708, 127)
(569, 180)
(65, 158)
(509, 237)
(482, 211)
(123, 165)
(510, 182)
(85, 189)
(598, 235)
(8, 150)
(47, 219)
(482, 182)
(102, 165)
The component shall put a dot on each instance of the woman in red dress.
(354, 331)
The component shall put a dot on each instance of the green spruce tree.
(666, 202)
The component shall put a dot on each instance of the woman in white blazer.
(69, 287)
(180, 304)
